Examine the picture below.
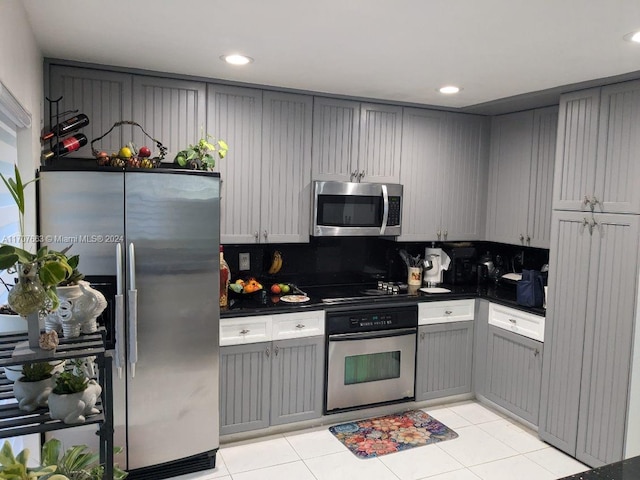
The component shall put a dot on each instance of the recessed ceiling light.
(633, 37)
(236, 59)
(449, 89)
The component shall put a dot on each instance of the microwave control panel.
(394, 211)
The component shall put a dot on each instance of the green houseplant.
(31, 294)
(73, 397)
(14, 467)
(33, 388)
(77, 462)
(200, 156)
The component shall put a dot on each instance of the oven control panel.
(363, 320)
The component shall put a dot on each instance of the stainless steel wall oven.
(371, 355)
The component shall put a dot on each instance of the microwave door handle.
(385, 209)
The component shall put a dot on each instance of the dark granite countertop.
(625, 470)
(262, 303)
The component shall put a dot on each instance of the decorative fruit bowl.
(245, 287)
(129, 156)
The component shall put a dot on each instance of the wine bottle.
(68, 145)
(70, 125)
(225, 276)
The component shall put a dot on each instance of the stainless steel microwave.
(355, 209)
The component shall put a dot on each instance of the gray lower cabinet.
(297, 379)
(514, 373)
(444, 360)
(245, 373)
(270, 383)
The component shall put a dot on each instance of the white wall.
(21, 72)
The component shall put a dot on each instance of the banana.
(276, 263)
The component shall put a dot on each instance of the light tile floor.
(489, 447)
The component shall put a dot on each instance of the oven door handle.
(344, 337)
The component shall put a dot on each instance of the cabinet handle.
(267, 352)
(256, 235)
(354, 175)
(536, 352)
(264, 234)
(361, 175)
(446, 232)
(591, 201)
(528, 239)
(521, 237)
(448, 312)
(439, 233)
(276, 350)
(244, 331)
(512, 320)
(422, 335)
(300, 325)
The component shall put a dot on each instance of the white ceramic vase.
(73, 408)
(32, 395)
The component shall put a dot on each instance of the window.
(9, 223)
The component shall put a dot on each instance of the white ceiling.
(394, 50)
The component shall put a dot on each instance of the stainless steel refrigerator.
(150, 240)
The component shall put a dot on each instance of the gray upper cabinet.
(521, 177)
(618, 167)
(444, 163)
(105, 97)
(380, 139)
(588, 338)
(171, 111)
(285, 203)
(235, 115)
(598, 148)
(355, 142)
(443, 364)
(514, 372)
(575, 167)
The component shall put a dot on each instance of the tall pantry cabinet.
(590, 393)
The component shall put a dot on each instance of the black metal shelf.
(15, 422)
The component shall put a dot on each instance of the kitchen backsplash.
(344, 260)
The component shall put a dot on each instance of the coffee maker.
(463, 269)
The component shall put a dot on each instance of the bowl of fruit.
(242, 287)
(129, 156)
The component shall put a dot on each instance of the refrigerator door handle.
(119, 359)
(133, 311)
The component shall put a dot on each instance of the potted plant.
(74, 397)
(33, 388)
(200, 156)
(77, 462)
(14, 467)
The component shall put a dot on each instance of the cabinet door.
(171, 111)
(514, 371)
(575, 168)
(380, 139)
(235, 115)
(336, 125)
(286, 167)
(245, 371)
(464, 164)
(105, 97)
(545, 128)
(297, 380)
(611, 307)
(509, 175)
(444, 357)
(420, 173)
(618, 168)
(569, 284)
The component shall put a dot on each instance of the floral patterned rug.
(378, 436)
